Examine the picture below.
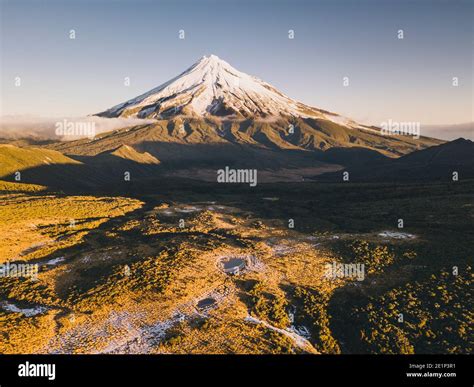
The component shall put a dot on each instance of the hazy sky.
(402, 80)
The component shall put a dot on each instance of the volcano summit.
(212, 87)
(212, 102)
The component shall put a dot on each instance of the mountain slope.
(182, 140)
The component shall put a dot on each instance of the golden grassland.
(35, 226)
(10, 187)
(111, 311)
(17, 159)
(133, 276)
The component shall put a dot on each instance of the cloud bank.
(62, 128)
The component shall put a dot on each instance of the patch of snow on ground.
(301, 330)
(396, 235)
(279, 249)
(188, 209)
(299, 340)
(143, 339)
(55, 261)
(28, 312)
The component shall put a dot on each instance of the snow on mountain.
(212, 87)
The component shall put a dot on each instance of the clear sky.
(402, 80)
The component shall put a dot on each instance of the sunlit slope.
(15, 159)
(7, 186)
(126, 152)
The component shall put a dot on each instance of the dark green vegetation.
(268, 306)
(312, 311)
(431, 316)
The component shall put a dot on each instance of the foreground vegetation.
(433, 316)
(134, 270)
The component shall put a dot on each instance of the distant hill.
(114, 163)
(39, 167)
(456, 152)
(435, 163)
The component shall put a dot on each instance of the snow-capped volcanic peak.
(213, 87)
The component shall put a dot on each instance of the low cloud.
(449, 132)
(45, 128)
